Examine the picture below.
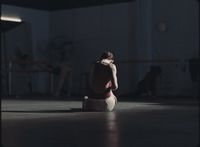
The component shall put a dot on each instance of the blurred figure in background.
(147, 86)
(60, 54)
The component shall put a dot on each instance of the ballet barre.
(28, 71)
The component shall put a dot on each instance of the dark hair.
(107, 55)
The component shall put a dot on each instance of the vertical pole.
(51, 82)
(199, 50)
(144, 33)
(5, 62)
(9, 78)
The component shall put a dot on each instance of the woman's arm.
(114, 77)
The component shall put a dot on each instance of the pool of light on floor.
(25, 109)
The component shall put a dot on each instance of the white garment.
(107, 104)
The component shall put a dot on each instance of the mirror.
(16, 44)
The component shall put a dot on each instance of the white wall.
(96, 29)
(128, 29)
(180, 41)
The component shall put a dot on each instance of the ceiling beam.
(52, 5)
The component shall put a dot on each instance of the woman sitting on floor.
(103, 80)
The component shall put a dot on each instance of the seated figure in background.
(103, 80)
(147, 86)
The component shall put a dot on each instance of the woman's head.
(107, 55)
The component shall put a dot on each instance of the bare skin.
(104, 80)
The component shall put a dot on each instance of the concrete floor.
(50, 123)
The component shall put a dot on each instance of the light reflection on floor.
(21, 109)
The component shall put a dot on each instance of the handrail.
(149, 61)
(29, 62)
(45, 69)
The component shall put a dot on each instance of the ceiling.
(52, 5)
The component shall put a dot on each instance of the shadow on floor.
(72, 110)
